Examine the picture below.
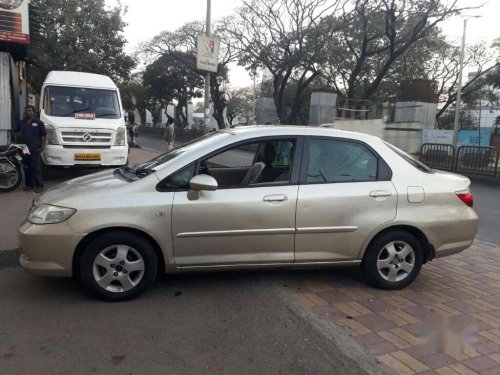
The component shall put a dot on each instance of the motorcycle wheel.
(11, 176)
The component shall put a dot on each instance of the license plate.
(88, 156)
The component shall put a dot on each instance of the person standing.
(131, 127)
(170, 135)
(33, 134)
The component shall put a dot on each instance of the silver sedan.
(251, 197)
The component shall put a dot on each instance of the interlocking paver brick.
(395, 364)
(446, 322)
(480, 363)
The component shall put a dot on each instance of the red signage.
(14, 21)
(84, 116)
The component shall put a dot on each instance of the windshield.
(136, 172)
(417, 164)
(81, 103)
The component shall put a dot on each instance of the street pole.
(459, 90)
(207, 77)
(254, 120)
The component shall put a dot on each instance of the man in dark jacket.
(32, 132)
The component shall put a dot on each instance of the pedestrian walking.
(170, 135)
(33, 134)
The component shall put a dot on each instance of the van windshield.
(79, 102)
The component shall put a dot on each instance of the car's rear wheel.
(118, 266)
(393, 261)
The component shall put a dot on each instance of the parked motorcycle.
(11, 167)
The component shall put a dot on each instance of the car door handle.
(276, 198)
(380, 193)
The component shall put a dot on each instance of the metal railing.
(466, 159)
(438, 156)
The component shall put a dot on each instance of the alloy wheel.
(118, 268)
(396, 261)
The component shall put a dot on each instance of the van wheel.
(118, 266)
(393, 261)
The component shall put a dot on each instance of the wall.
(406, 136)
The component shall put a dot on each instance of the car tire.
(118, 266)
(393, 260)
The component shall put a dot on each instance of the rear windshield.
(79, 102)
(417, 164)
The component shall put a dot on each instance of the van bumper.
(57, 155)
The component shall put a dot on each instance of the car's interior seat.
(253, 174)
(269, 173)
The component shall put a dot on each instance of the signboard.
(471, 137)
(14, 22)
(207, 57)
(437, 136)
(84, 116)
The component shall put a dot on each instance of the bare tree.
(379, 32)
(285, 37)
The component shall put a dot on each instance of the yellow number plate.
(89, 156)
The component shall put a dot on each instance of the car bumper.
(64, 157)
(48, 249)
(454, 237)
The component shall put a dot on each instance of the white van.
(84, 119)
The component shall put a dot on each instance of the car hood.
(85, 185)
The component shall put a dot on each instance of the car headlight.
(51, 135)
(48, 214)
(121, 137)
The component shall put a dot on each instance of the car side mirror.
(200, 183)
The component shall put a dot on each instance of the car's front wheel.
(118, 266)
(393, 261)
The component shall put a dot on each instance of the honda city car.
(251, 197)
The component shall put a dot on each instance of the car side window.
(254, 163)
(179, 180)
(239, 157)
(334, 161)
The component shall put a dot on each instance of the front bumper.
(48, 249)
(57, 155)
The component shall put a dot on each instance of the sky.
(146, 18)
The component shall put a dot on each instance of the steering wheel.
(204, 168)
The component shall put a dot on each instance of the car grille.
(89, 137)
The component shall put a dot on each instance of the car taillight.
(466, 197)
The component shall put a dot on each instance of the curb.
(355, 355)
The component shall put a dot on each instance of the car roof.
(280, 130)
(79, 79)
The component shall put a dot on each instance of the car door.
(238, 224)
(345, 194)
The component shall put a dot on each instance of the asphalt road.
(217, 323)
(486, 200)
(487, 205)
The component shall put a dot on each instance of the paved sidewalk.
(14, 206)
(447, 322)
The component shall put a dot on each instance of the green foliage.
(174, 76)
(80, 36)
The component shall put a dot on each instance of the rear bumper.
(47, 249)
(451, 238)
(57, 155)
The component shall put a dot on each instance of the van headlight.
(48, 214)
(121, 137)
(51, 135)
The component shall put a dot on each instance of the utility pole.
(207, 77)
(459, 90)
(254, 119)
